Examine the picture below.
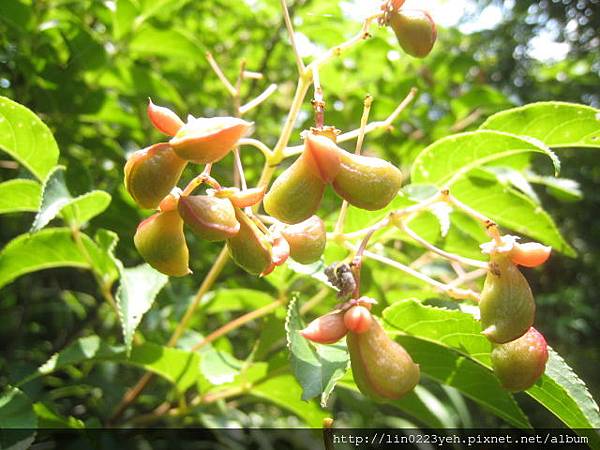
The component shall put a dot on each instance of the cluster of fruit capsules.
(507, 312)
(363, 181)
(382, 368)
(151, 177)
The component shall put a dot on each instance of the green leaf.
(317, 368)
(26, 138)
(56, 198)
(138, 288)
(447, 160)
(169, 43)
(50, 419)
(285, 392)
(180, 367)
(511, 209)
(556, 124)
(52, 247)
(16, 411)
(444, 337)
(19, 196)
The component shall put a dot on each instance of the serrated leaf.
(237, 299)
(26, 138)
(510, 209)
(56, 198)
(52, 247)
(559, 389)
(562, 188)
(17, 420)
(556, 124)
(51, 419)
(317, 368)
(218, 367)
(137, 291)
(180, 367)
(449, 159)
(20, 195)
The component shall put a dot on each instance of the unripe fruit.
(151, 173)
(161, 242)
(367, 182)
(163, 119)
(248, 197)
(415, 31)
(306, 239)
(296, 194)
(326, 329)
(507, 306)
(358, 319)
(211, 218)
(382, 369)
(249, 248)
(206, 141)
(518, 364)
(531, 254)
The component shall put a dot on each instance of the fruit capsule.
(151, 173)
(206, 141)
(322, 155)
(507, 306)
(296, 194)
(163, 119)
(382, 369)
(519, 363)
(306, 240)
(211, 218)
(415, 31)
(161, 242)
(326, 329)
(358, 319)
(367, 182)
(249, 248)
(530, 254)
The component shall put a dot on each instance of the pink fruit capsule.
(530, 254)
(358, 319)
(326, 329)
(163, 119)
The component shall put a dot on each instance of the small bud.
(367, 182)
(306, 239)
(205, 141)
(151, 173)
(161, 242)
(249, 248)
(326, 329)
(382, 368)
(358, 319)
(415, 31)
(531, 254)
(519, 363)
(163, 119)
(211, 218)
(507, 306)
(296, 194)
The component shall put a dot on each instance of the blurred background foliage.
(87, 68)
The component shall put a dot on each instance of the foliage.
(222, 334)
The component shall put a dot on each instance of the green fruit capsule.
(306, 240)
(296, 194)
(249, 248)
(367, 182)
(211, 218)
(519, 364)
(151, 173)
(161, 242)
(415, 31)
(507, 306)
(382, 369)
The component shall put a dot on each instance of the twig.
(217, 69)
(266, 151)
(318, 101)
(258, 100)
(290, 30)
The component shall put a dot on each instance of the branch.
(290, 30)
(266, 151)
(258, 100)
(217, 69)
